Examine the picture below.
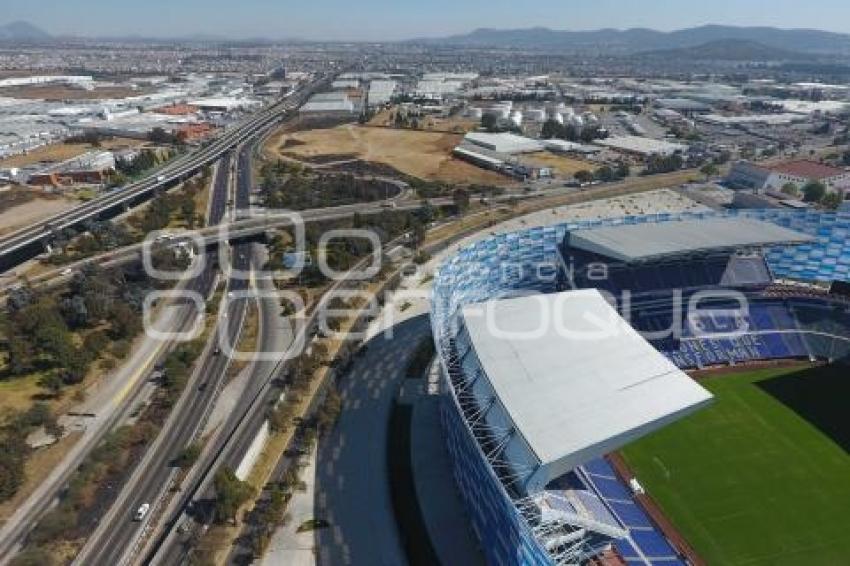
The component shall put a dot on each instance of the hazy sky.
(398, 19)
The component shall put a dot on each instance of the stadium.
(561, 345)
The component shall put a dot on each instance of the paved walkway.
(288, 546)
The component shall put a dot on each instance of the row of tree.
(814, 192)
(604, 174)
(60, 337)
(553, 129)
(14, 448)
(284, 187)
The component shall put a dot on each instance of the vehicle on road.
(142, 512)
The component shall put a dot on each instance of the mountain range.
(705, 42)
(643, 39)
(731, 50)
(22, 31)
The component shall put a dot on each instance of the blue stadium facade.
(785, 324)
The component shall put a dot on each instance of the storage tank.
(575, 120)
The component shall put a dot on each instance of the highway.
(194, 513)
(29, 242)
(120, 536)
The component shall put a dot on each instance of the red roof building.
(810, 170)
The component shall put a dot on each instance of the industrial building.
(683, 105)
(504, 142)
(753, 119)
(224, 104)
(381, 91)
(91, 168)
(641, 146)
(329, 103)
(763, 178)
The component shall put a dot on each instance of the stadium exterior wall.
(527, 262)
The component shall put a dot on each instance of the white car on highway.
(142, 512)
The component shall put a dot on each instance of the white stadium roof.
(642, 242)
(576, 394)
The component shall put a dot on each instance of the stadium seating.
(643, 534)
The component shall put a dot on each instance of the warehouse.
(93, 167)
(503, 142)
(643, 147)
(764, 178)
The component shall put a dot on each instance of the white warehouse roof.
(584, 384)
(642, 146)
(504, 142)
(642, 242)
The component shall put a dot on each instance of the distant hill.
(729, 50)
(802, 40)
(22, 31)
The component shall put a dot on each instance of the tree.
(605, 174)
(832, 201)
(709, 170)
(52, 382)
(461, 199)
(329, 411)
(583, 176)
(231, 493)
(160, 136)
(814, 191)
(791, 189)
(657, 164)
(623, 170)
(188, 456)
(552, 129)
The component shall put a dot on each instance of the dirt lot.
(61, 92)
(426, 155)
(62, 151)
(21, 207)
(563, 166)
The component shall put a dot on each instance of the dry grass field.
(21, 207)
(563, 166)
(426, 155)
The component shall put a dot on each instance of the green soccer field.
(763, 475)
